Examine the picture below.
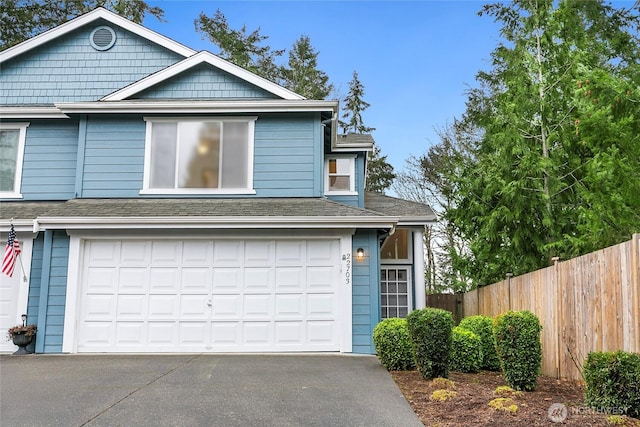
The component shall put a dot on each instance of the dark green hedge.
(393, 345)
(466, 351)
(482, 326)
(518, 345)
(613, 382)
(430, 332)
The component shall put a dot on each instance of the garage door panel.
(226, 334)
(103, 253)
(322, 279)
(193, 333)
(210, 295)
(98, 334)
(130, 334)
(257, 307)
(258, 279)
(163, 334)
(289, 333)
(164, 280)
(289, 306)
(227, 307)
(197, 253)
(194, 307)
(195, 279)
(100, 307)
(321, 306)
(321, 253)
(257, 333)
(133, 279)
(166, 253)
(259, 253)
(228, 253)
(102, 279)
(289, 279)
(227, 280)
(132, 307)
(135, 253)
(290, 253)
(162, 307)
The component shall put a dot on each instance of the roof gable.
(99, 13)
(190, 64)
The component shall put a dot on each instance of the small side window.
(12, 138)
(340, 175)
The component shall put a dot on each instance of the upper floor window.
(199, 155)
(12, 137)
(340, 175)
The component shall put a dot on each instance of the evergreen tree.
(239, 47)
(22, 19)
(354, 105)
(302, 75)
(380, 174)
(558, 114)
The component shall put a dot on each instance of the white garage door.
(222, 295)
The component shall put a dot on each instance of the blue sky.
(414, 58)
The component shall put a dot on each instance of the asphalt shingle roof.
(393, 206)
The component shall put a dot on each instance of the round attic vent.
(102, 38)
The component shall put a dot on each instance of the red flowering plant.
(27, 330)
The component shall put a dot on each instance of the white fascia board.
(193, 61)
(99, 13)
(31, 113)
(96, 223)
(418, 221)
(197, 107)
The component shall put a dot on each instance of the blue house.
(167, 200)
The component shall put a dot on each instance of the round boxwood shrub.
(430, 332)
(518, 345)
(393, 345)
(613, 382)
(482, 326)
(466, 351)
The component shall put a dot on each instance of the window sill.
(10, 195)
(197, 192)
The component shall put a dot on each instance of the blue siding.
(205, 82)
(42, 75)
(366, 291)
(53, 250)
(49, 168)
(285, 156)
(114, 157)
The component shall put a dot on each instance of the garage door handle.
(209, 303)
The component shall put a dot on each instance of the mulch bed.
(470, 406)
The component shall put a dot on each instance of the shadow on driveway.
(199, 390)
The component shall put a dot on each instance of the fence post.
(558, 305)
(509, 276)
(635, 284)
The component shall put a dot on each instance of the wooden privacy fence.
(589, 303)
(451, 302)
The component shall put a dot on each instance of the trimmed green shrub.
(613, 382)
(482, 326)
(517, 335)
(393, 345)
(430, 332)
(466, 351)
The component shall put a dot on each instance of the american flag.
(11, 253)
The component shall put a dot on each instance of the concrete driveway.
(199, 390)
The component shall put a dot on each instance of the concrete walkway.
(199, 390)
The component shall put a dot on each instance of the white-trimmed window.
(199, 155)
(396, 257)
(12, 137)
(340, 175)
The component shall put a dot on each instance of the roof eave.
(211, 222)
(28, 112)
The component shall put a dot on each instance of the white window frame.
(352, 177)
(250, 120)
(396, 267)
(22, 136)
